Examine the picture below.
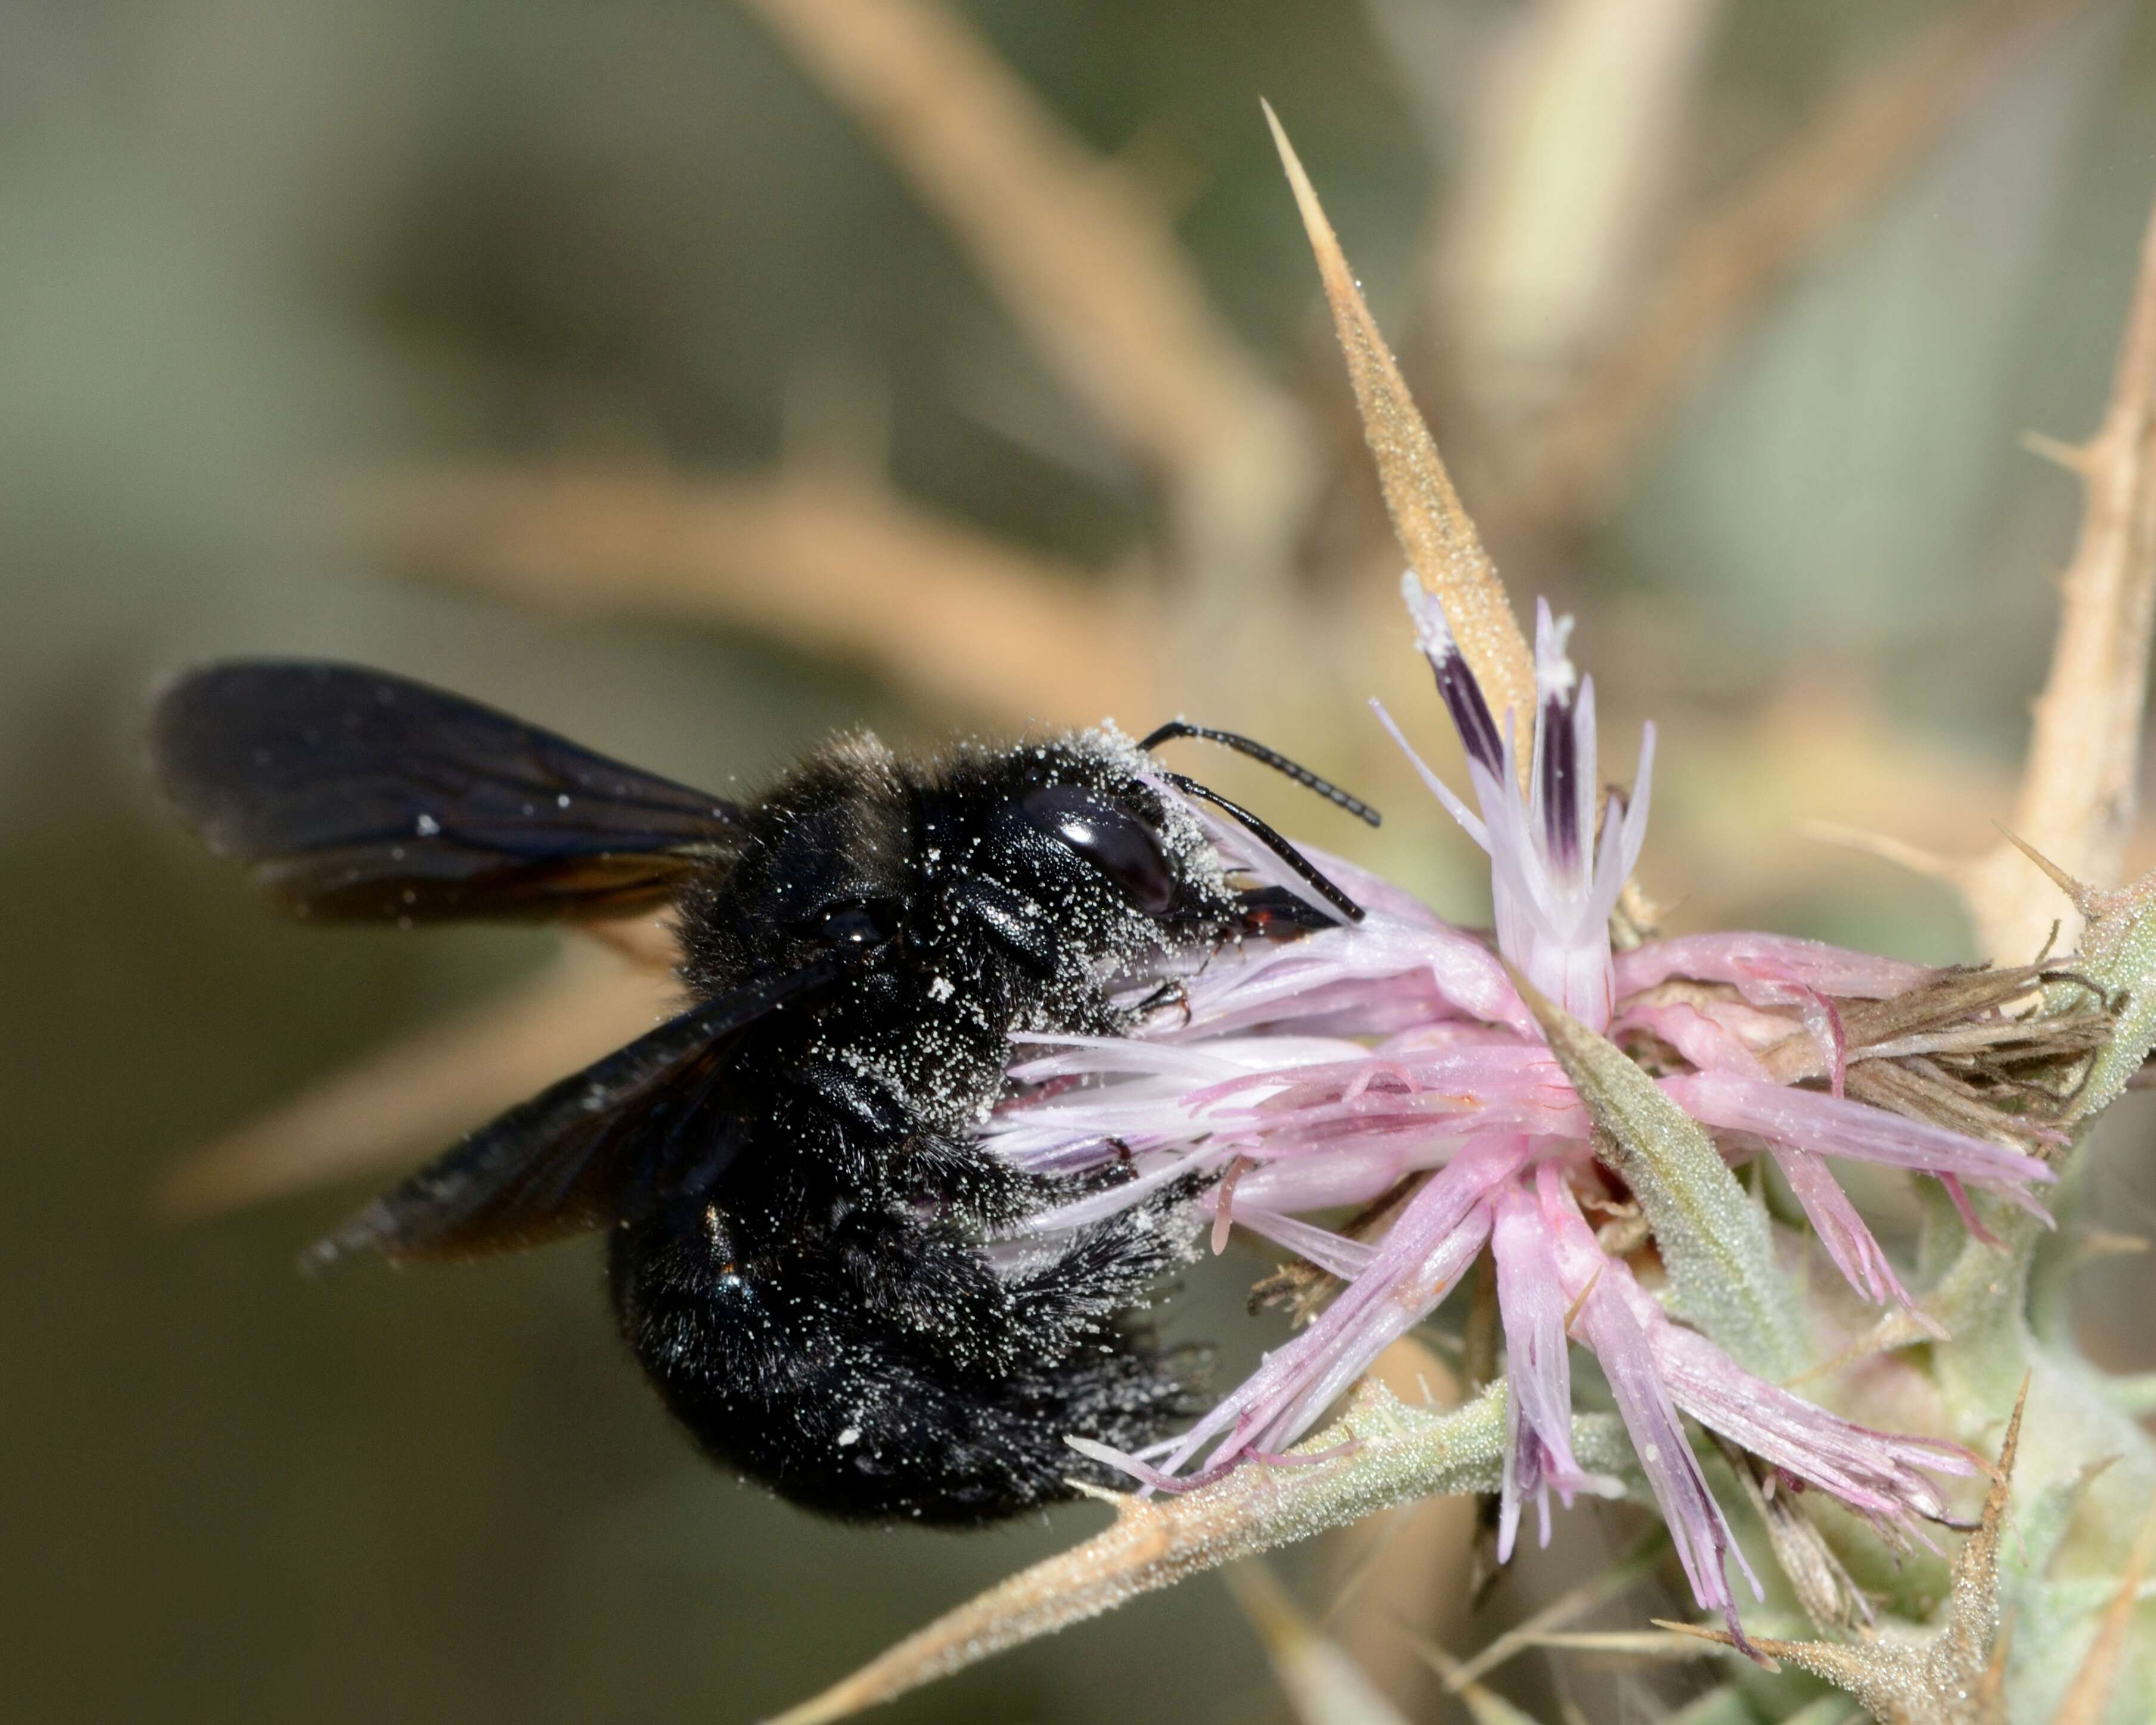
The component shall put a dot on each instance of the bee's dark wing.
(586, 1151)
(354, 794)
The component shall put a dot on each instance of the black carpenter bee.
(801, 1224)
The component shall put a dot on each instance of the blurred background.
(699, 378)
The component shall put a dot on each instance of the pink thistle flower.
(1395, 1059)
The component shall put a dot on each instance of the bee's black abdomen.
(782, 1365)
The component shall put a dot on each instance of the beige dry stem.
(1576, 131)
(2090, 1696)
(1323, 1684)
(829, 563)
(1595, 1592)
(1484, 1705)
(1722, 265)
(1414, 1564)
(2077, 795)
(1081, 259)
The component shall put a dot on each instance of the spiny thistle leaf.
(1713, 1239)
(1433, 528)
(1398, 1454)
(1956, 1676)
(2079, 789)
(2119, 956)
(1981, 1297)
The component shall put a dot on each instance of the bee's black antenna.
(1273, 759)
(1273, 842)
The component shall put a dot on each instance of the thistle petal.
(1834, 1218)
(1876, 1473)
(1532, 1304)
(1835, 1126)
(1613, 1327)
(1767, 969)
(1434, 1238)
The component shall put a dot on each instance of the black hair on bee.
(796, 1203)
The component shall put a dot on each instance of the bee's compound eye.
(1110, 837)
(858, 922)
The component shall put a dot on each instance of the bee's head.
(1091, 822)
(1093, 866)
(1082, 827)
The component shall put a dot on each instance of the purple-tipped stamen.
(1456, 684)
